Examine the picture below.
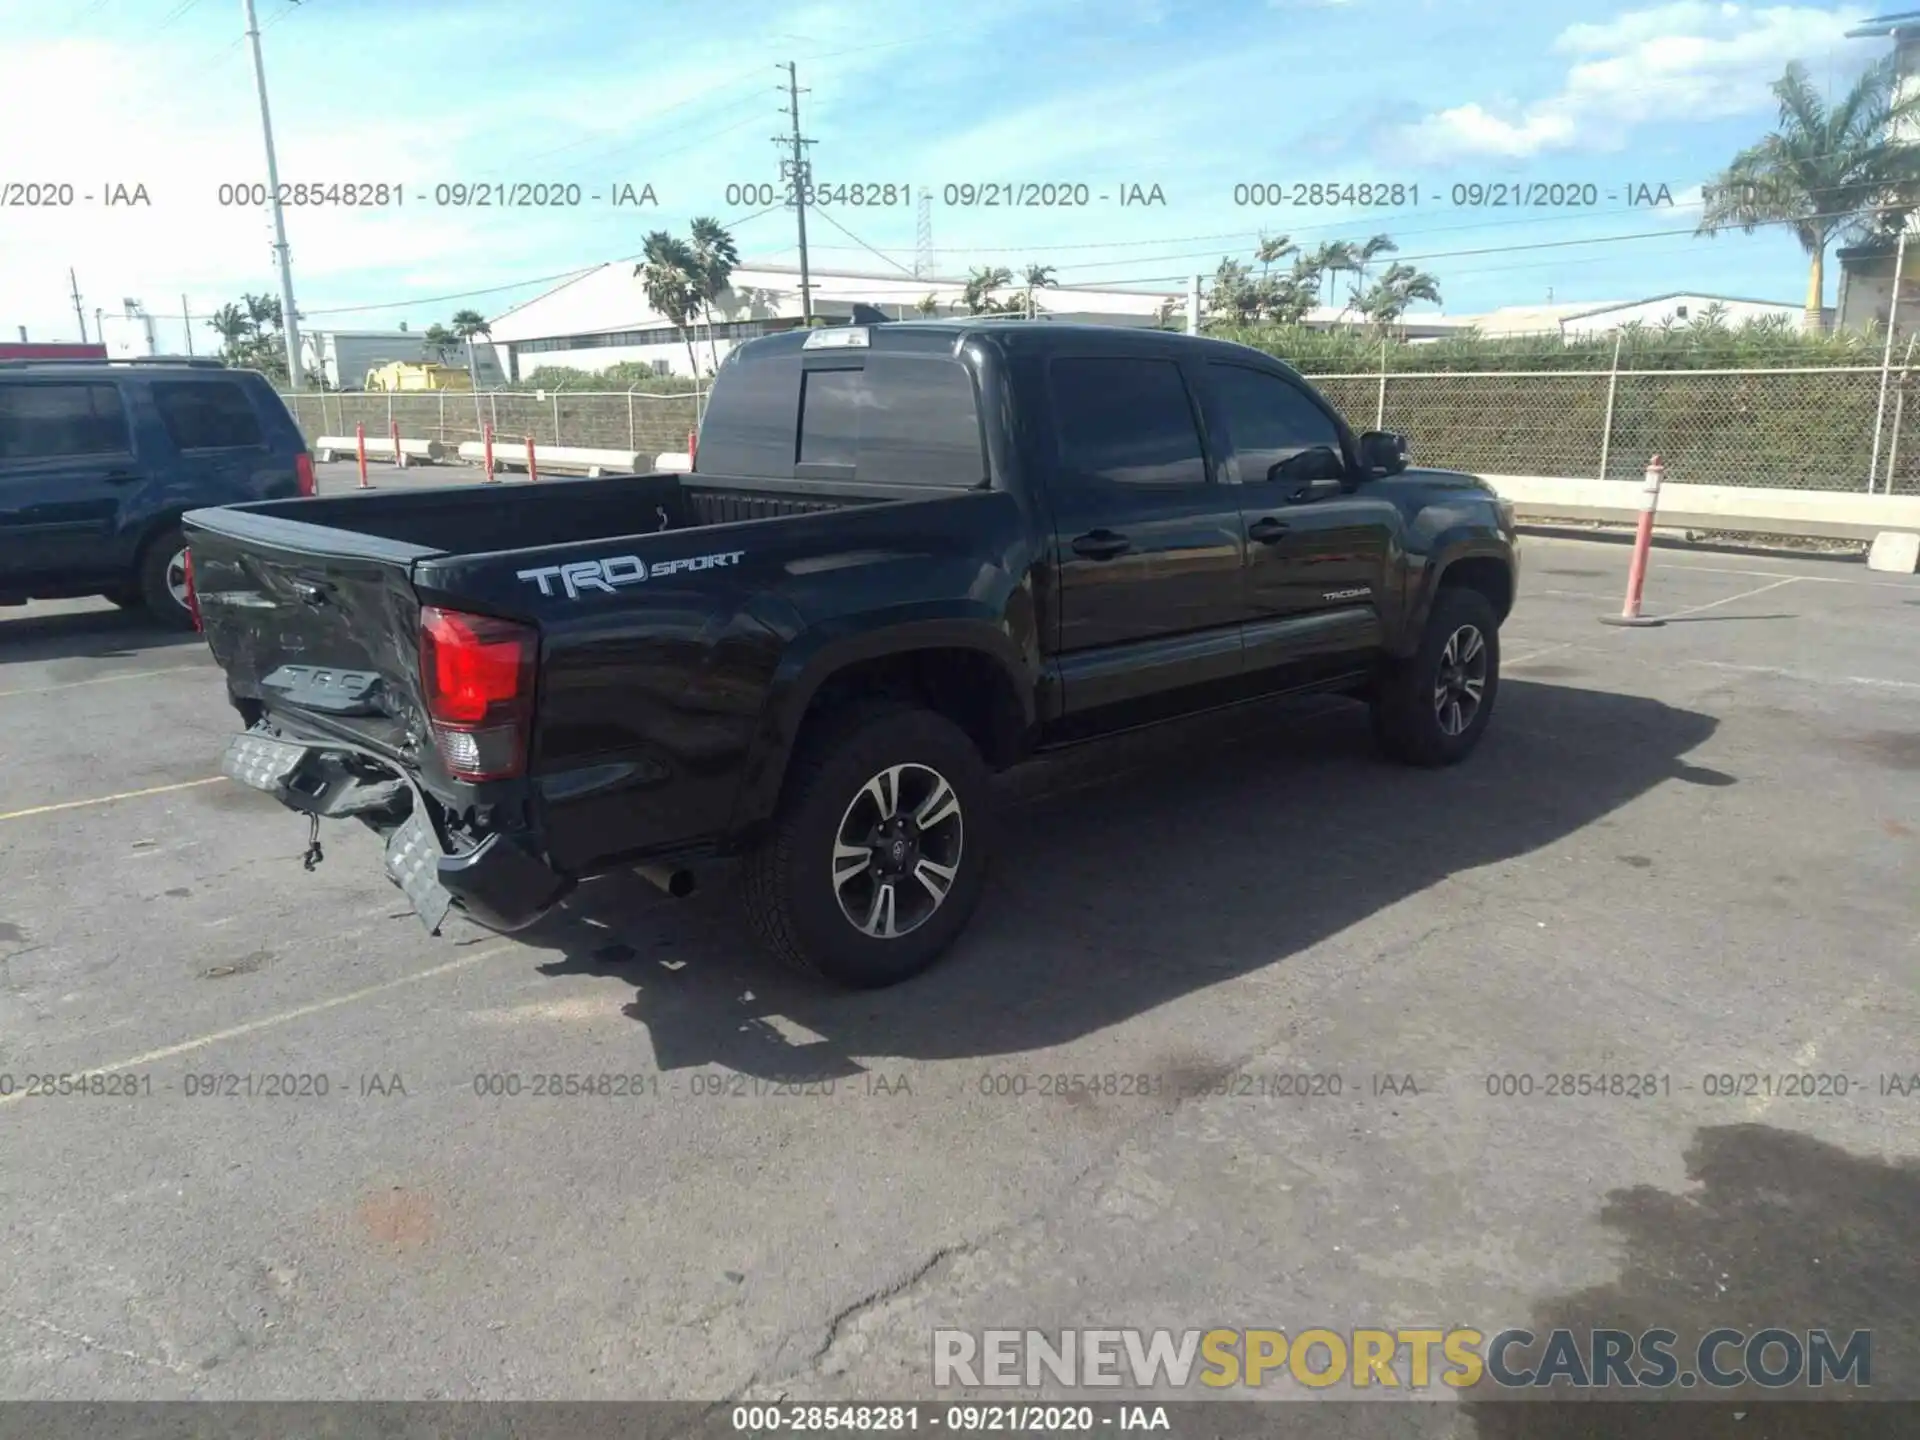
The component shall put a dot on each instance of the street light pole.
(290, 326)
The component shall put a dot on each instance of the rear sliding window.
(207, 414)
(892, 420)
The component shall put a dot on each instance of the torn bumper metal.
(498, 884)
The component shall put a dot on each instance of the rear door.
(1317, 541)
(1147, 544)
(66, 464)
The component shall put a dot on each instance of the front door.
(66, 461)
(1317, 543)
(1147, 542)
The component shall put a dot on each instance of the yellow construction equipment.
(401, 375)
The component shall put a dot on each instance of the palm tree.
(234, 328)
(438, 341)
(669, 277)
(1352, 259)
(1038, 277)
(469, 326)
(1388, 298)
(1824, 170)
(928, 304)
(977, 296)
(714, 256)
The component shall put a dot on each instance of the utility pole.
(795, 169)
(78, 313)
(290, 326)
(186, 323)
(923, 262)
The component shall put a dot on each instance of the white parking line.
(109, 799)
(1728, 600)
(268, 1022)
(98, 680)
(1807, 678)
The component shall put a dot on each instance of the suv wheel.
(1432, 708)
(879, 853)
(163, 580)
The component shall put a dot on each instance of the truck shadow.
(1776, 1229)
(1139, 870)
(105, 633)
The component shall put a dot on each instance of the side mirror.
(1383, 452)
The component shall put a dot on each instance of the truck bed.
(448, 520)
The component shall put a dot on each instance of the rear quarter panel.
(657, 701)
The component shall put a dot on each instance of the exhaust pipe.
(677, 883)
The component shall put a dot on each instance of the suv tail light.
(303, 473)
(476, 673)
(193, 595)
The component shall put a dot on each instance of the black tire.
(792, 901)
(157, 579)
(1412, 721)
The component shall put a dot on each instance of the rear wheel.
(879, 852)
(1432, 708)
(163, 580)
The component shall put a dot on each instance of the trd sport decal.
(617, 570)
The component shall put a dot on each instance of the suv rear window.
(47, 422)
(207, 414)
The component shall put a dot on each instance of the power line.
(827, 216)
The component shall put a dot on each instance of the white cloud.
(1668, 64)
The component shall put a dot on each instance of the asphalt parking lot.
(1682, 853)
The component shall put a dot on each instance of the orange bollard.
(533, 468)
(486, 434)
(360, 446)
(693, 447)
(1642, 545)
(399, 460)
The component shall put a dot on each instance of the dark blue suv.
(99, 459)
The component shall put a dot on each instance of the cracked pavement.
(1681, 852)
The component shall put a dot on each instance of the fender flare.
(1449, 549)
(818, 654)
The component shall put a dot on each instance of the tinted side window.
(1127, 420)
(206, 414)
(1271, 420)
(44, 422)
(748, 428)
(897, 420)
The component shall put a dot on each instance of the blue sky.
(1194, 98)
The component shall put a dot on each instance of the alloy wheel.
(1461, 681)
(897, 851)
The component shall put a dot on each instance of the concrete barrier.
(1823, 513)
(379, 447)
(556, 459)
(676, 462)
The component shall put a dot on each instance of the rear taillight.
(193, 595)
(476, 673)
(303, 472)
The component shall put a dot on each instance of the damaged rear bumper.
(498, 883)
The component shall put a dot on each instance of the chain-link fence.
(1797, 429)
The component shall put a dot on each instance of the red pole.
(1642, 544)
(360, 447)
(693, 447)
(486, 432)
(399, 460)
(533, 468)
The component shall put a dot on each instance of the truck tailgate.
(318, 625)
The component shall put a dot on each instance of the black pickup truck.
(910, 555)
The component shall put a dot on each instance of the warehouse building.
(602, 319)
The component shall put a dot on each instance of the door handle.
(1268, 531)
(1101, 545)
